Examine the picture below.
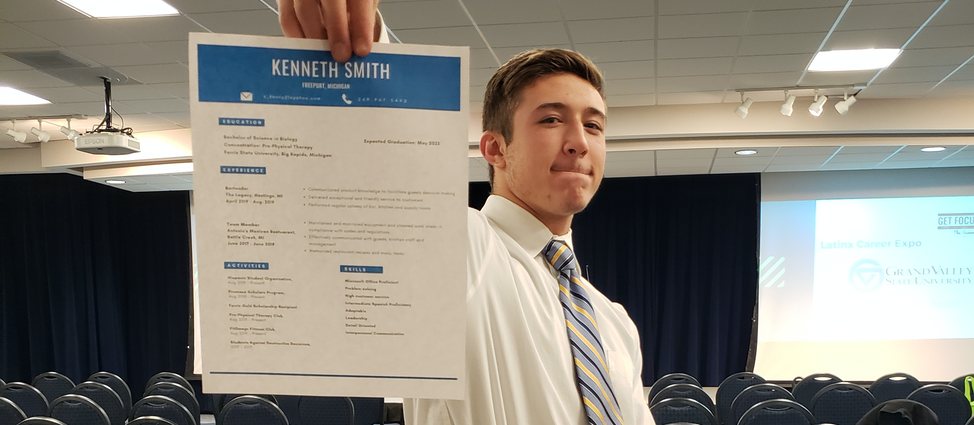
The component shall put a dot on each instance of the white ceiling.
(653, 52)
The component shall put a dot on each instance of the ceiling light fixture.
(744, 107)
(19, 136)
(746, 152)
(41, 135)
(842, 106)
(115, 181)
(10, 96)
(789, 106)
(933, 149)
(121, 8)
(816, 108)
(853, 60)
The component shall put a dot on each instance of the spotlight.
(816, 108)
(742, 110)
(42, 136)
(69, 132)
(19, 136)
(842, 106)
(789, 106)
(746, 152)
(933, 149)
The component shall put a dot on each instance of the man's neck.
(558, 225)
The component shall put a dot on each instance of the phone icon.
(346, 100)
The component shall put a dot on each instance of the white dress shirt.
(519, 365)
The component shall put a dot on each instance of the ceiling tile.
(36, 10)
(765, 153)
(869, 150)
(623, 70)
(867, 165)
(151, 91)
(791, 151)
(481, 58)
(682, 7)
(423, 14)
(956, 12)
(587, 9)
(691, 67)
(673, 156)
(882, 16)
(152, 105)
(913, 153)
(792, 21)
(152, 74)
(706, 25)
(880, 91)
(773, 79)
(531, 34)
(781, 44)
(196, 6)
(7, 64)
(12, 37)
(629, 86)
(945, 36)
(181, 119)
(122, 54)
(905, 164)
(67, 94)
(603, 30)
(796, 4)
(900, 75)
(29, 79)
(513, 11)
(869, 39)
(705, 47)
(254, 22)
(480, 76)
(837, 78)
(808, 160)
(112, 31)
(772, 63)
(934, 56)
(459, 36)
(618, 51)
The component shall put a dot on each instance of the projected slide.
(842, 275)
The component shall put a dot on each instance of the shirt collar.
(519, 224)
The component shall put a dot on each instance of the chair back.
(753, 395)
(670, 379)
(163, 407)
(117, 384)
(950, 405)
(179, 393)
(965, 384)
(27, 398)
(169, 377)
(777, 412)
(41, 420)
(106, 398)
(10, 414)
(690, 391)
(729, 389)
(806, 389)
(893, 386)
(326, 410)
(369, 410)
(251, 410)
(842, 403)
(899, 411)
(681, 410)
(74, 409)
(150, 420)
(52, 385)
(223, 399)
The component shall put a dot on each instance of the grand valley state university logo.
(866, 274)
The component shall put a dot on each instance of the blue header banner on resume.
(234, 74)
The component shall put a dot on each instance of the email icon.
(246, 96)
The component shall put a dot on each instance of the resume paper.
(330, 204)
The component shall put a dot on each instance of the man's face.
(555, 159)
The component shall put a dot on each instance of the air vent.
(64, 67)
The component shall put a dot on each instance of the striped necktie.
(591, 372)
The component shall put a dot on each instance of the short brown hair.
(504, 88)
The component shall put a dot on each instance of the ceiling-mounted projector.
(105, 139)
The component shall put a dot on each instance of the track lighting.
(19, 136)
(742, 110)
(41, 135)
(67, 131)
(842, 106)
(816, 108)
(789, 106)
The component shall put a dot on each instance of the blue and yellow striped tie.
(591, 372)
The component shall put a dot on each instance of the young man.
(543, 346)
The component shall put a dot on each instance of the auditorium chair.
(179, 393)
(893, 386)
(729, 388)
(10, 414)
(369, 410)
(52, 385)
(681, 410)
(41, 420)
(169, 377)
(842, 403)
(106, 398)
(326, 410)
(899, 411)
(670, 379)
(74, 409)
(806, 389)
(117, 384)
(251, 410)
(950, 405)
(690, 391)
(164, 407)
(777, 412)
(753, 395)
(27, 398)
(150, 420)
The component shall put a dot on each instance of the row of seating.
(747, 399)
(169, 399)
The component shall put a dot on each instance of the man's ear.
(492, 147)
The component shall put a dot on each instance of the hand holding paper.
(348, 25)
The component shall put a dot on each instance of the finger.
(361, 25)
(289, 21)
(309, 16)
(336, 20)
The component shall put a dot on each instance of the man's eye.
(594, 125)
(549, 120)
